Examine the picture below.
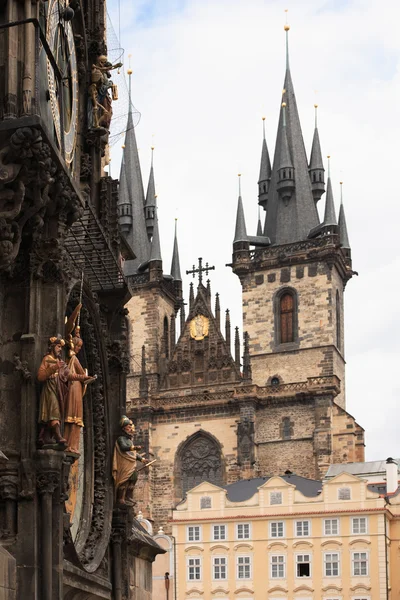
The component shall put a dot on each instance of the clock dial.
(64, 94)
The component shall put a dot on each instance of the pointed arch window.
(199, 459)
(286, 306)
(166, 337)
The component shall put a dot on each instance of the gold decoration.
(199, 327)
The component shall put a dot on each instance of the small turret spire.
(183, 316)
(285, 183)
(191, 296)
(265, 173)
(237, 347)
(259, 225)
(155, 252)
(175, 265)
(240, 230)
(316, 166)
(217, 311)
(151, 200)
(344, 237)
(330, 214)
(246, 357)
(228, 329)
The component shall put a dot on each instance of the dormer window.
(344, 493)
(205, 502)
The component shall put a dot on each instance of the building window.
(275, 381)
(199, 459)
(166, 337)
(286, 428)
(331, 527)
(302, 528)
(219, 567)
(243, 531)
(344, 493)
(275, 498)
(205, 502)
(278, 566)
(331, 564)
(286, 311)
(219, 532)
(277, 529)
(243, 567)
(338, 322)
(360, 564)
(194, 569)
(359, 525)
(193, 533)
(303, 565)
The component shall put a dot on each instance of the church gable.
(202, 356)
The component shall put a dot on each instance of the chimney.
(391, 476)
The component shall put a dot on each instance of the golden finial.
(263, 118)
(283, 104)
(152, 147)
(315, 105)
(129, 68)
(123, 146)
(286, 26)
(283, 91)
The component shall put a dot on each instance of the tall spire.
(316, 166)
(175, 265)
(155, 251)
(344, 237)
(265, 173)
(217, 311)
(240, 230)
(131, 193)
(330, 214)
(259, 225)
(151, 200)
(289, 219)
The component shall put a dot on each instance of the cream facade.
(279, 544)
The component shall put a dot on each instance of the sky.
(205, 72)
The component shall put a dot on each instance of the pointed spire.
(259, 225)
(330, 214)
(291, 210)
(240, 230)
(155, 251)
(191, 296)
(237, 347)
(131, 192)
(246, 357)
(175, 265)
(183, 316)
(151, 200)
(217, 311)
(344, 237)
(265, 173)
(228, 329)
(316, 166)
(209, 289)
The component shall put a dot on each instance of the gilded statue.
(125, 459)
(77, 383)
(100, 109)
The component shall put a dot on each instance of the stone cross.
(200, 270)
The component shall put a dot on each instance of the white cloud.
(205, 72)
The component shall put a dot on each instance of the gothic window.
(320, 176)
(338, 322)
(286, 428)
(314, 177)
(287, 318)
(166, 337)
(198, 460)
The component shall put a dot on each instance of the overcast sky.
(205, 72)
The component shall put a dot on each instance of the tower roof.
(344, 236)
(131, 192)
(330, 213)
(316, 154)
(175, 265)
(155, 250)
(265, 165)
(240, 229)
(151, 188)
(293, 221)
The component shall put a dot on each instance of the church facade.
(208, 407)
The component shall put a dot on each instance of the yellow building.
(289, 538)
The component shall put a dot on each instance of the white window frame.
(330, 521)
(188, 527)
(338, 563)
(302, 521)
(195, 566)
(219, 557)
(237, 531)
(303, 562)
(361, 598)
(344, 499)
(278, 563)
(243, 556)
(353, 519)
(218, 539)
(277, 523)
(360, 561)
(278, 494)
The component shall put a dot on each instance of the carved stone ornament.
(8, 486)
(201, 461)
(47, 482)
(199, 327)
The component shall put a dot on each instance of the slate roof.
(246, 488)
(142, 537)
(361, 469)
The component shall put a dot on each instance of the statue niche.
(199, 459)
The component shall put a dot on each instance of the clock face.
(64, 94)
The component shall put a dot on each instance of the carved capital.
(47, 482)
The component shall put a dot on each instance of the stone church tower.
(279, 404)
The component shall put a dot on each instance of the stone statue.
(124, 463)
(73, 414)
(100, 111)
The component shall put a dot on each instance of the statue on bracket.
(125, 473)
(78, 380)
(100, 110)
